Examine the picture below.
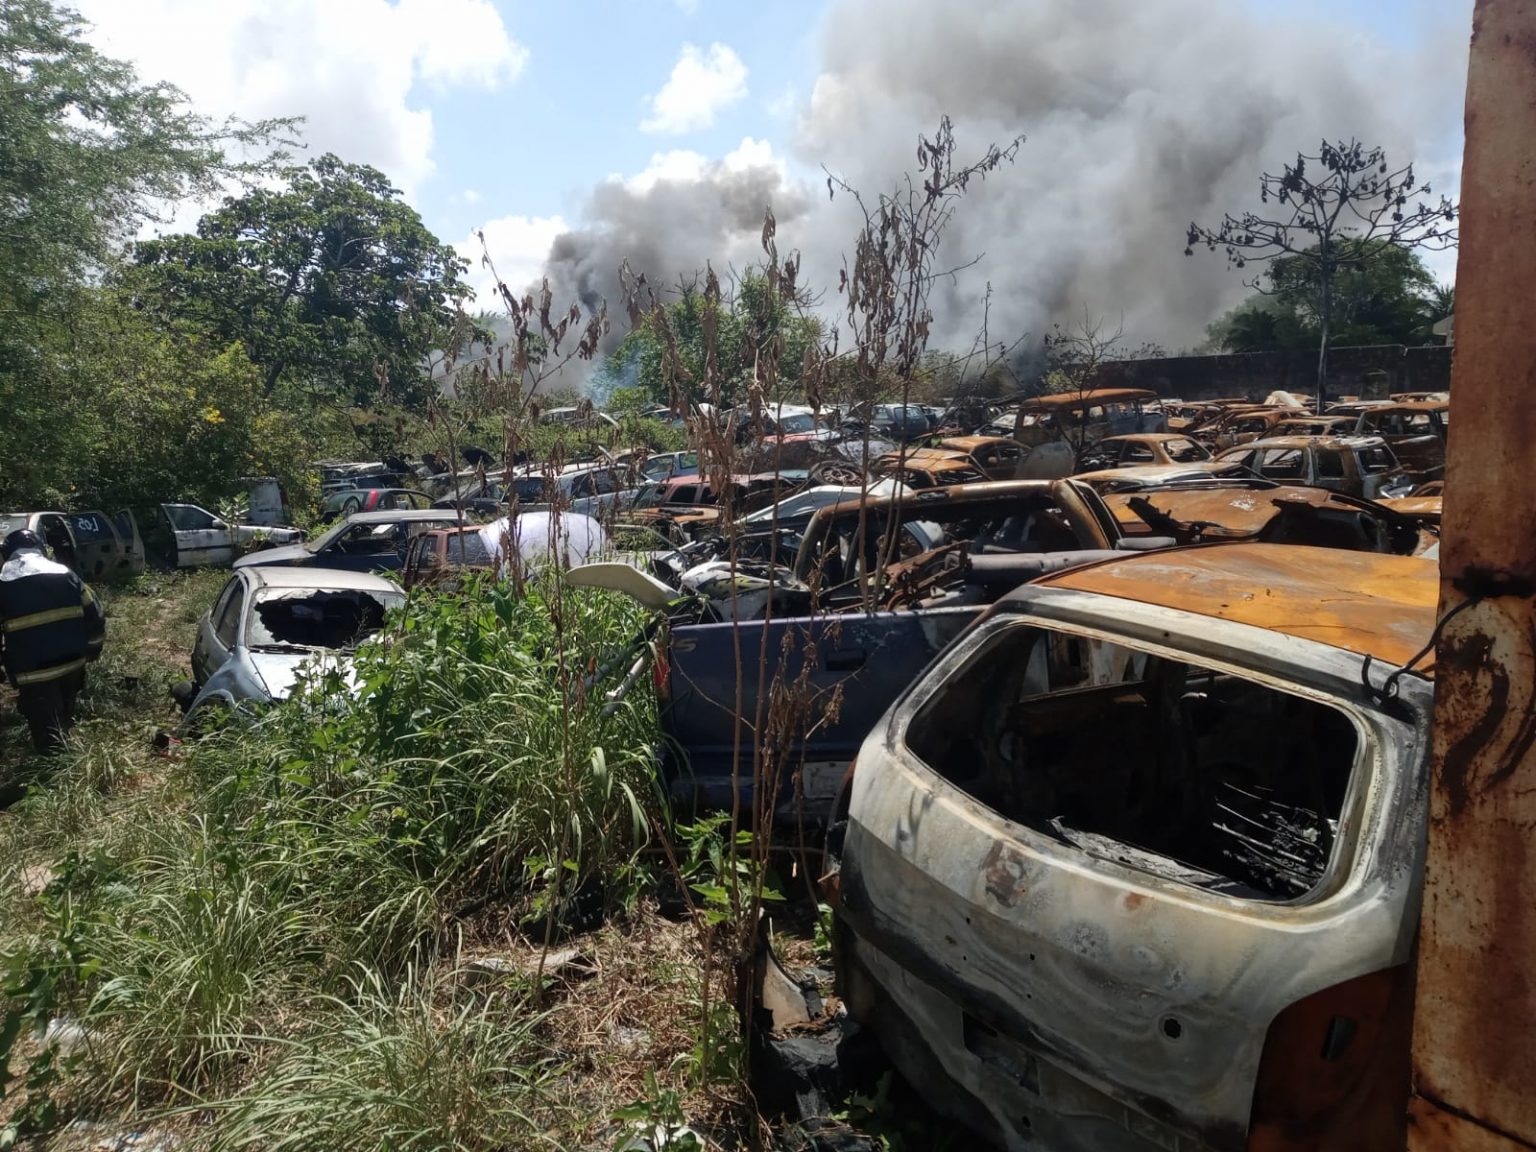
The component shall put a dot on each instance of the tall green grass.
(330, 853)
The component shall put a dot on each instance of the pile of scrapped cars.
(1121, 785)
(1105, 716)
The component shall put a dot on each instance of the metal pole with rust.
(1474, 1047)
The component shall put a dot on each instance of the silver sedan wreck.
(270, 625)
(1136, 865)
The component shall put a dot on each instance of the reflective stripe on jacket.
(50, 622)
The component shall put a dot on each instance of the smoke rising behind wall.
(1138, 118)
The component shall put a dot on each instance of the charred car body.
(1136, 865)
(875, 590)
(269, 626)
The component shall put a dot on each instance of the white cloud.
(349, 67)
(470, 196)
(785, 106)
(684, 166)
(687, 7)
(702, 84)
(518, 246)
(677, 165)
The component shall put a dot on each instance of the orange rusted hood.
(1363, 602)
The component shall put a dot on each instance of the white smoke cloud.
(1139, 118)
(702, 85)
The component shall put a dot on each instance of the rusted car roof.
(1426, 508)
(1317, 425)
(1145, 475)
(971, 443)
(1146, 437)
(1362, 602)
(1332, 442)
(1087, 399)
(1412, 406)
(1240, 511)
(924, 460)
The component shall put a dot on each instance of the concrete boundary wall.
(1369, 372)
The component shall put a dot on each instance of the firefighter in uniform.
(50, 627)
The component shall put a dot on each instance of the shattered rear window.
(317, 618)
(1196, 775)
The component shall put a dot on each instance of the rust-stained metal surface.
(969, 444)
(1422, 508)
(1092, 398)
(1236, 512)
(1363, 602)
(1106, 480)
(1475, 1017)
(1200, 514)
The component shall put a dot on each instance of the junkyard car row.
(1086, 695)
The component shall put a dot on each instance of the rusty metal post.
(1474, 1042)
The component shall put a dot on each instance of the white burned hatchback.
(1136, 865)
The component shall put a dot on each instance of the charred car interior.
(1194, 774)
(323, 618)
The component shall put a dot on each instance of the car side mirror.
(219, 524)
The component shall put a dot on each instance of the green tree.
(755, 323)
(1332, 213)
(1381, 294)
(87, 153)
(332, 283)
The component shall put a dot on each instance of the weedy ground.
(326, 930)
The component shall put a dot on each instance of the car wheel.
(351, 506)
(836, 472)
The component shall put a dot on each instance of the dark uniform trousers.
(52, 627)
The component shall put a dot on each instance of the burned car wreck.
(832, 623)
(269, 627)
(1136, 864)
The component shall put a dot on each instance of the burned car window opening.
(1196, 775)
(311, 619)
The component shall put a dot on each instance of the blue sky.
(537, 147)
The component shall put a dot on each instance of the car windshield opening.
(794, 425)
(317, 618)
(1199, 776)
(468, 548)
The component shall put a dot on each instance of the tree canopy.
(1382, 293)
(88, 153)
(331, 281)
(1329, 215)
(754, 323)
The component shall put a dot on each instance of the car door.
(131, 563)
(218, 631)
(367, 547)
(864, 662)
(97, 548)
(1009, 456)
(1328, 469)
(60, 539)
(202, 539)
(419, 556)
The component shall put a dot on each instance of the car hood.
(280, 671)
(290, 554)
